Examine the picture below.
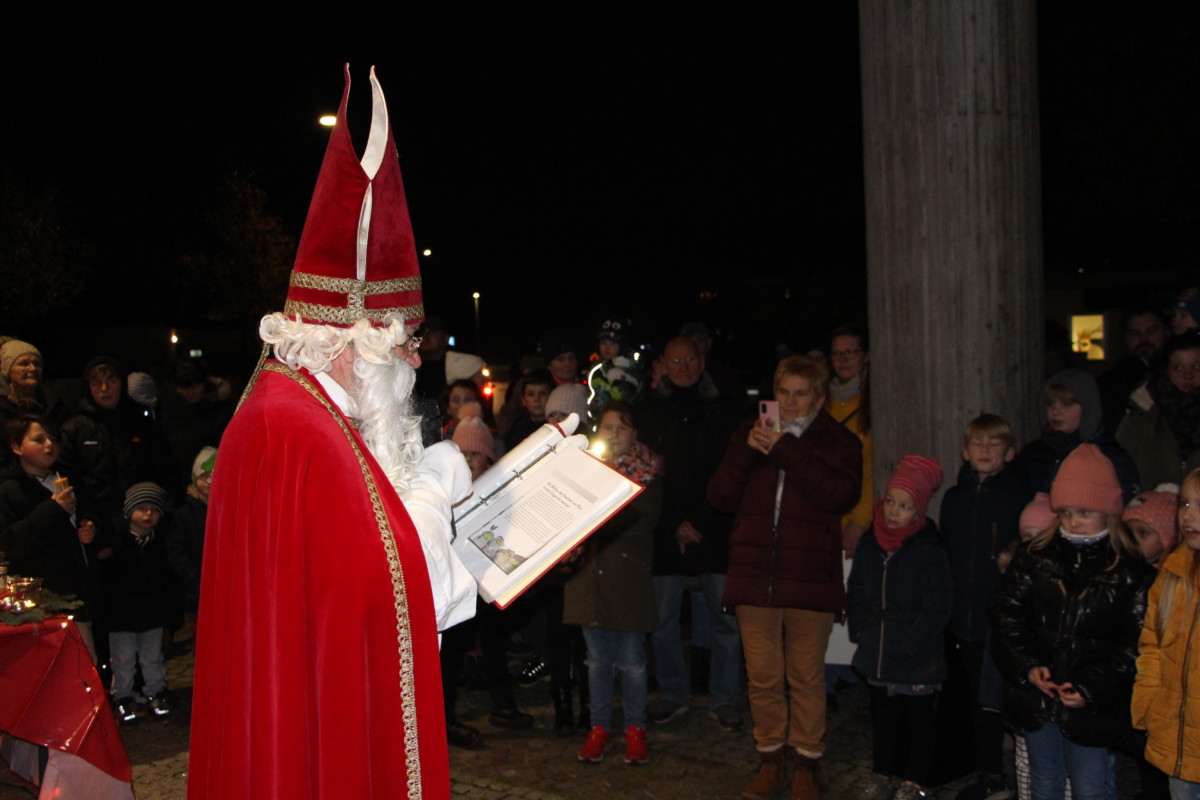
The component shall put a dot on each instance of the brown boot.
(806, 777)
(771, 778)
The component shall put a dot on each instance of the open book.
(532, 507)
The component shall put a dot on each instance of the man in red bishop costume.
(327, 567)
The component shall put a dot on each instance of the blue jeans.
(724, 640)
(1183, 790)
(610, 652)
(126, 651)
(699, 618)
(1052, 757)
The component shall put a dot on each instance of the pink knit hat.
(919, 476)
(1038, 514)
(472, 436)
(1086, 479)
(1157, 509)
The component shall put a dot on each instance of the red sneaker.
(593, 749)
(636, 752)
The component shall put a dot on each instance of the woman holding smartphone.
(789, 486)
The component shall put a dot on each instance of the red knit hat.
(919, 476)
(1086, 479)
(357, 258)
(1158, 510)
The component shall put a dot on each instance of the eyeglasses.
(413, 343)
(840, 354)
(679, 362)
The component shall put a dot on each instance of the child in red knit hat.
(900, 593)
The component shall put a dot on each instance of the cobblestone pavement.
(691, 757)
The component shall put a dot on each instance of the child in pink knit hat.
(1065, 624)
(900, 593)
(1151, 519)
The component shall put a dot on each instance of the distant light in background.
(426, 252)
(195, 354)
(174, 338)
(478, 332)
(487, 373)
(328, 120)
(452, 342)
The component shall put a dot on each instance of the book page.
(529, 519)
(537, 445)
(511, 537)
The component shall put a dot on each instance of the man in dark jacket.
(111, 445)
(685, 420)
(1146, 340)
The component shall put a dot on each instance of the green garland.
(49, 605)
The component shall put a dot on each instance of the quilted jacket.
(1166, 696)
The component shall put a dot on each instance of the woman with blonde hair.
(789, 482)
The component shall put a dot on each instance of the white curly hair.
(382, 392)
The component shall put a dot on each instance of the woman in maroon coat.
(789, 489)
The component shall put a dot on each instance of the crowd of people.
(763, 539)
(757, 541)
(311, 533)
(94, 500)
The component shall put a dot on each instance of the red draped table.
(51, 695)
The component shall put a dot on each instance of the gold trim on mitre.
(339, 315)
(309, 280)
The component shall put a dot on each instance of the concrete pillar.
(953, 204)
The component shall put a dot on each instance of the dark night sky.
(582, 160)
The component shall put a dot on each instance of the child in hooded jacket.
(900, 594)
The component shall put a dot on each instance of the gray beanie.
(145, 493)
(11, 351)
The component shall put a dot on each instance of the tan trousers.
(779, 643)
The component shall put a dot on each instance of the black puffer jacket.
(1061, 607)
(898, 605)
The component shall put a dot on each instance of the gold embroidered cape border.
(412, 754)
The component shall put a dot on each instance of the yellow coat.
(845, 414)
(1166, 694)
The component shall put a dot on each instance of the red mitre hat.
(357, 258)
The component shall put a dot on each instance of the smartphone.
(768, 415)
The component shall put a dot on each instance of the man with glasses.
(685, 420)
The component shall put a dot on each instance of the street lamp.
(478, 334)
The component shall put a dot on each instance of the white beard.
(383, 407)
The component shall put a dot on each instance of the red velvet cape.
(317, 671)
